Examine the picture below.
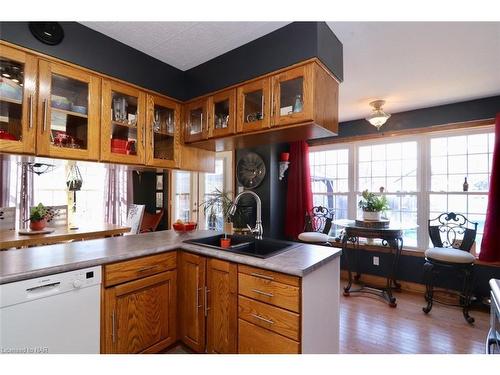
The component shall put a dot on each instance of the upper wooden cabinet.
(292, 96)
(196, 120)
(222, 113)
(17, 100)
(254, 106)
(123, 122)
(68, 112)
(162, 132)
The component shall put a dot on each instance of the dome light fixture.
(378, 117)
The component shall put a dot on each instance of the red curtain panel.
(299, 193)
(490, 246)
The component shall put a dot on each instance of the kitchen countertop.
(21, 264)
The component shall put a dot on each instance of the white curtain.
(17, 190)
(118, 194)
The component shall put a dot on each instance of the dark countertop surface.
(27, 263)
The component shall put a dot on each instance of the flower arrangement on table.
(373, 205)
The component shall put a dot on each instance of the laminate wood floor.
(369, 325)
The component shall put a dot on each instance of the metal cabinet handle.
(262, 276)
(262, 104)
(113, 327)
(206, 301)
(263, 319)
(45, 110)
(198, 298)
(152, 137)
(30, 116)
(201, 124)
(263, 293)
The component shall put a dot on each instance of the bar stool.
(452, 236)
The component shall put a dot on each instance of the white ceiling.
(409, 64)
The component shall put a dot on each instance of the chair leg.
(429, 286)
(467, 295)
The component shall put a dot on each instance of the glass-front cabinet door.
(68, 112)
(123, 134)
(222, 113)
(17, 100)
(196, 120)
(254, 106)
(292, 96)
(162, 132)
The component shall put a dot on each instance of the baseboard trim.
(406, 286)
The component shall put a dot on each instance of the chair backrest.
(57, 216)
(319, 220)
(452, 230)
(151, 221)
(7, 218)
(135, 214)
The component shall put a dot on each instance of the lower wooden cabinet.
(253, 339)
(208, 304)
(139, 316)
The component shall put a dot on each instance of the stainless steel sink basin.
(247, 245)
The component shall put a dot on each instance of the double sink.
(246, 245)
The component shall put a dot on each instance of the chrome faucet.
(258, 230)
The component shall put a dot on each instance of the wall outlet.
(376, 261)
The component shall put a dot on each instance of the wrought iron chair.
(318, 224)
(319, 220)
(452, 236)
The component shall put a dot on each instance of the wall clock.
(250, 170)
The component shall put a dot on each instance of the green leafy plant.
(38, 213)
(220, 203)
(373, 203)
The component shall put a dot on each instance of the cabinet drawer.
(128, 270)
(272, 292)
(253, 339)
(270, 275)
(281, 321)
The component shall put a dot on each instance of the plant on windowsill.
(38, 217)
(373, 205)
(220, 203)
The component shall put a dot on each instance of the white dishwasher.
(58, 313)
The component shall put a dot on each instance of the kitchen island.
(300, 285)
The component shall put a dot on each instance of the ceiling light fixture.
(378, 117)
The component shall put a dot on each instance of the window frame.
(423, 191)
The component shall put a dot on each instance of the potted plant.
(373, 205)
(38, 217)
(219, 203)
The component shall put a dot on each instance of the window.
(191, 189)
(422, 176)
(50, 189)
(453, 159)
(182, 194)
(392, 168)
(330, 181)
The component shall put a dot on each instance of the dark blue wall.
(288, 45)
(93, 50)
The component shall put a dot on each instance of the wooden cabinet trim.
(26, 144)
(263, 84)
(253, 339)
(281, 321)
(269, 275)
(116, 273)
(308, 97)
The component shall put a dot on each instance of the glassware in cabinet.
(196, 128)
(162, 146)
(253, 106)
(68, 112)
(123, 135)
(17, 102)
(222, 113)
(292, 96)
